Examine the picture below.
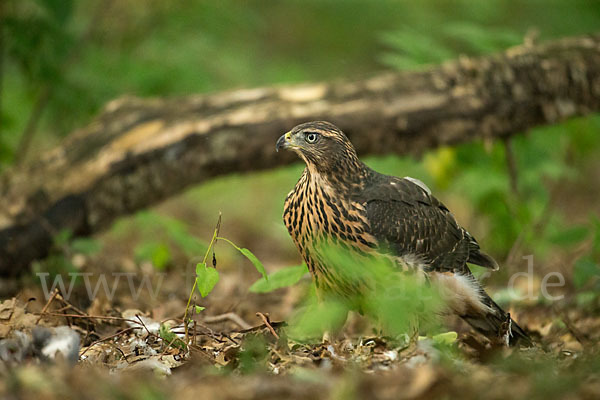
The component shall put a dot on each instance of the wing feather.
(407, 220)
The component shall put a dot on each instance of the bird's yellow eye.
(311, 137)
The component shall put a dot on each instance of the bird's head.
(321, 145)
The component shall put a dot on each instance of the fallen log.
(140, 151)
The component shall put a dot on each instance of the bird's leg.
(504, 331)
(334, 332)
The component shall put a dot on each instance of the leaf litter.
(231, 348)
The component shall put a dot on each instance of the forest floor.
(239, 349)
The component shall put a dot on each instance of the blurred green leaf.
(206, 279)
(595, 220)
(156, 252)
(586, 272)
(446, 338)
(318, 317)
(87, 246)
(60, 11)
(481, 39)
(250, 256)
(281, 278)
(256, 262)
(411, 49)
(199, 309)
(253, 354)
(570, 236)
(586, 298)
(63, 237)
(397, 303)
(441, 165)
(170, 338)
(152, 224)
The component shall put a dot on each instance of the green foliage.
(543, 160)
(397, 303)
(281, 278)
(253, 355)
(86, 246)
(255, 261)
(478, 38)
(206, 279)
(569, 236)
(38, 37)
(156, 252)
(159, 236)
(586, 273)
(153, 224)
(317, 317)
(59, 261)
(170, 338)
(550, 378)
(251, 257)
(56, 263)
(446, 338)
(412, 48)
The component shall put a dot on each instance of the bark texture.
(140, 151)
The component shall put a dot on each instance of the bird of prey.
(340, 199)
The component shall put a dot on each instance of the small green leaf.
(585, 271)
(315, 319)
(586, 298)
(199, 309)
(206, 279)
(256, 262)
(596, 242)
(446, 338)
(571, 236)
(62, 237)
(86, 246)
(155, 252)
(282, 278)
(171, 338)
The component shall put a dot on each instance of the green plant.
(170, 338)
(160, 237)
(397, 303)
(281, 278)
(208, 276)
(64, 248)
(586, 272)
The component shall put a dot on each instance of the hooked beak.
(284, 141)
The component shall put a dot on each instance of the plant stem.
(230, 242)
(210, 246)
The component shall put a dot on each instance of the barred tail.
(497, 325)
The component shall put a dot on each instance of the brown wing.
(407, 220)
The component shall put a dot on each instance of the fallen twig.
(230, 316)
(108, 338)
(54, 294)
(92, 317)
(267, 322)
(144, 325)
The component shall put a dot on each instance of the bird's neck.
(343, 177)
